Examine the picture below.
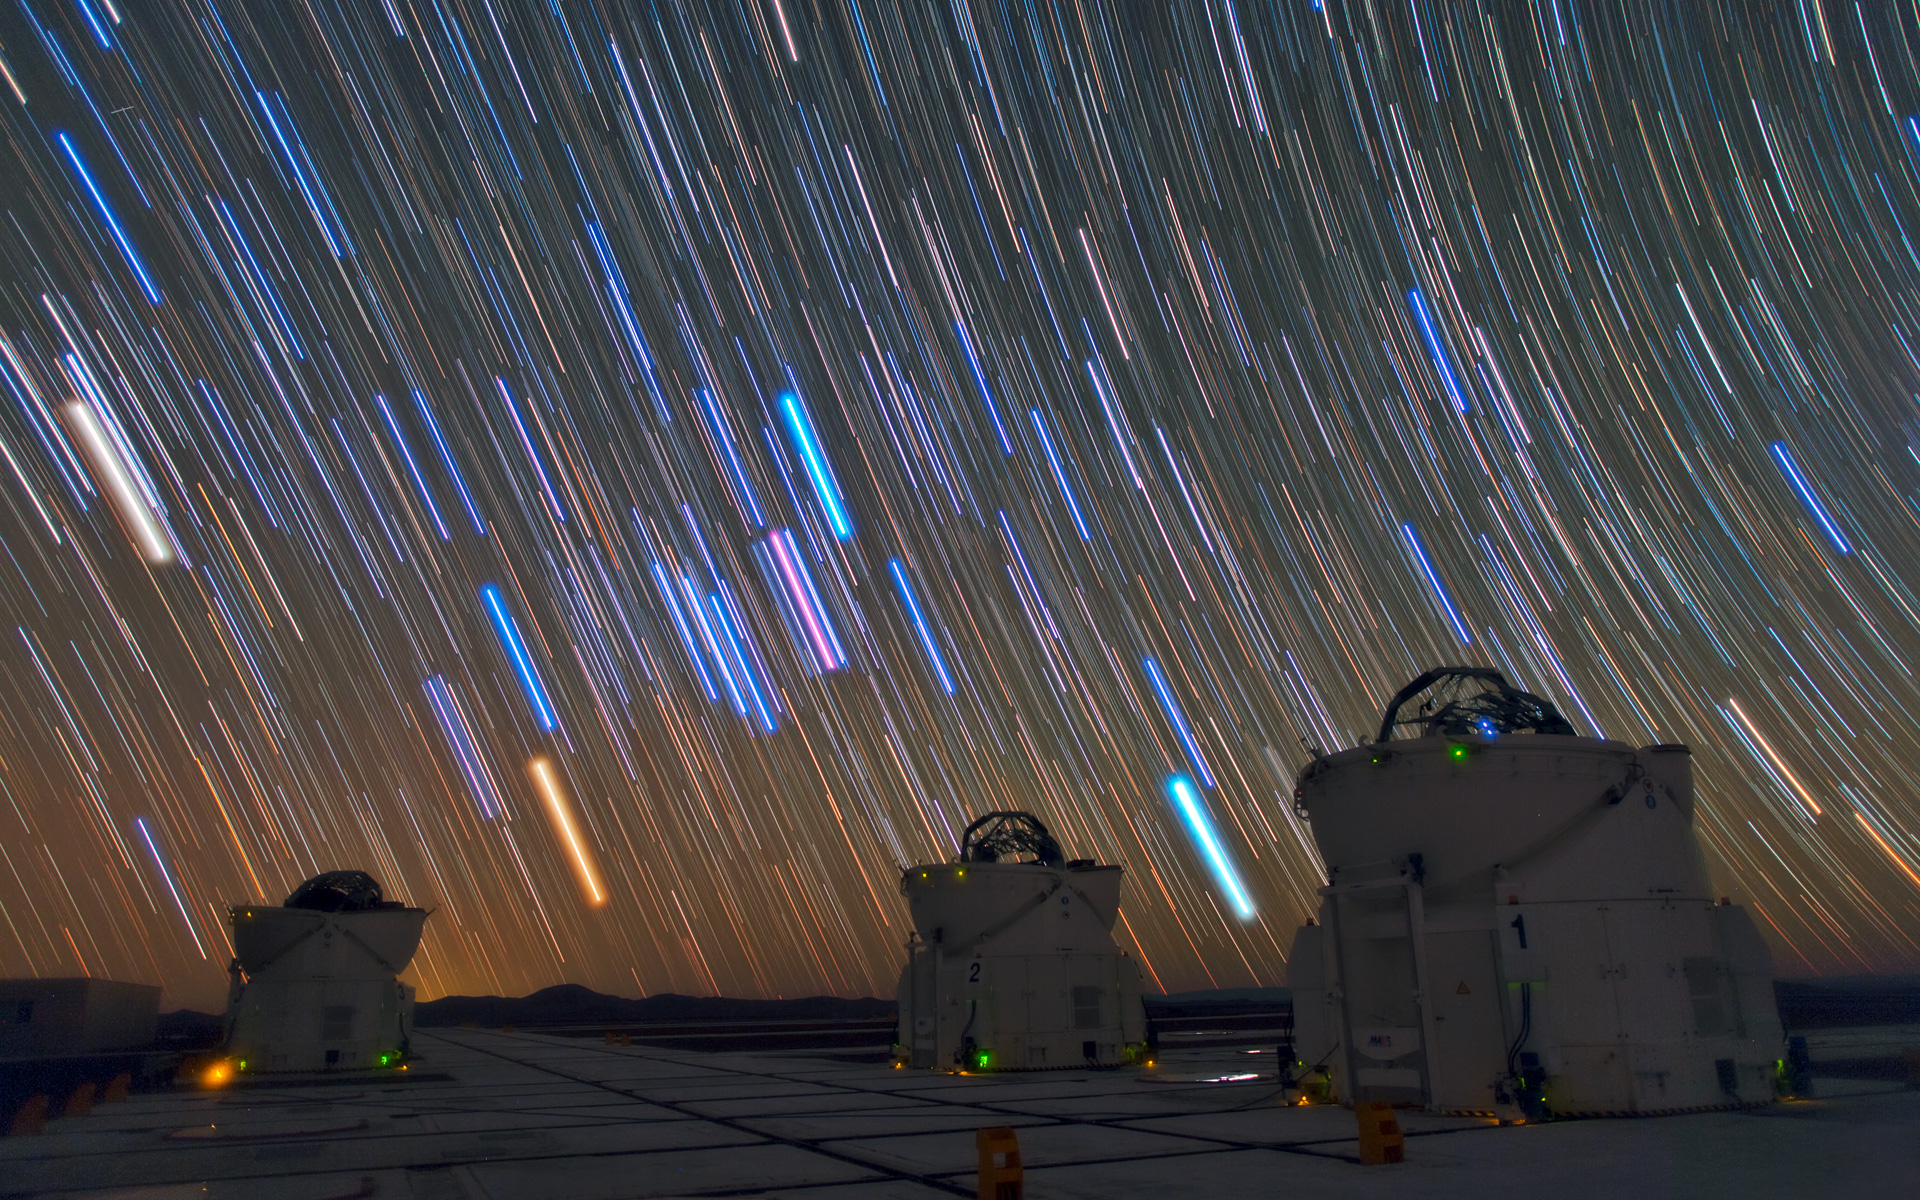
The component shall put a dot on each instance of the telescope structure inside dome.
(1518, 918)
(1012, 964)
(315, 981)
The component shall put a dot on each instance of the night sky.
(633, 476)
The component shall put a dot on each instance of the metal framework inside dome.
(1456, 701)
(1010, 837)
(340, 891)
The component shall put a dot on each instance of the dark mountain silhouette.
(1804, 1004)
(1848, 1000)
(572, 1004)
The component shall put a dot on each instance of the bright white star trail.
(633, 476)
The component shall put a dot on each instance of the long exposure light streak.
(413, 468)
(1059, 475)
(452, 468)
(671, 596)
(737, 651)
(466, 749)
(503, 625)
(1807, 497)
(1201, 828)
(166, 877)
(736, 474)
(1773, 756)
(113, 222)
(980, 381)
(567, 832)
(1433, 581)
(804, 601)
(710, 640)
(1178, 719)
(646, 396)
(927, 643)
(807, 446)
(1893, 855)
(533, 456)
(142, 526)
(299, 168)
(1437, 350)
(13, 84)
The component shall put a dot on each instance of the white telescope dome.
(314, 981)
(1519, 918)
(1013, 965)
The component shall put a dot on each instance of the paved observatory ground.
(520, 1116)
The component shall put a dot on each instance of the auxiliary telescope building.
(1013, 965)
(315, 982)
(1518, 917)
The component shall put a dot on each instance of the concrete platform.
(489, 1115)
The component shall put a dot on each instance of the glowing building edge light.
(1188, 801)
(141, 523)
(565, 829)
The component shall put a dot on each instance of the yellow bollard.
(1380, 1138)
(626, 1039)
(117, 1088)
(607, 1037)
(31, 1117)
(1005, 1179)
(80, 1102)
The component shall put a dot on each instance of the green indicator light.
(1459, 753)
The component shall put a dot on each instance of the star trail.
(632, 476)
